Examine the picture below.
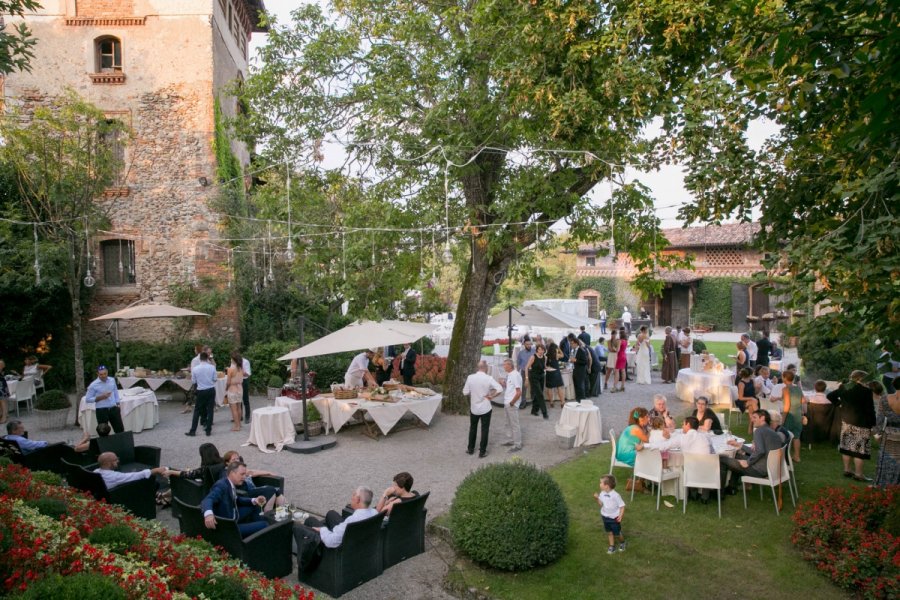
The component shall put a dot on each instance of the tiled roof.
(679, 276)
(728, 234)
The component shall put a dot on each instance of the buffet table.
(385, 415)
(185, 383)
(586, 420)
(138, 406)
(716, 385)
(270, 426)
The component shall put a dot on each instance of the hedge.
(712, 302)
(615, 292)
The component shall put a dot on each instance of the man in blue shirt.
(204, 377)
(104, 395)
(15, 431)
(522, 359)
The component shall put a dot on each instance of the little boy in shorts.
(612, 509)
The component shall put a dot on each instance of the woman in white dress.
(642, 360)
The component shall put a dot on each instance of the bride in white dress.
(642, 360)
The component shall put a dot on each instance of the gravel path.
(435, 456)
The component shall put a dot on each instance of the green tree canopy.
(16, 45)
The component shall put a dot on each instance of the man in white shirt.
(480, 388)
(511, 397)
(358, 371)
(752, 350)
(108, 462)
(626, 320)
(203, 377)
(314, 533)
(245, 367)
(693, 441)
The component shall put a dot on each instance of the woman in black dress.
(554, 381)
(746, 400)
(709, 421)
(537, 367)
(857, 404)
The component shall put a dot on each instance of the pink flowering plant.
(853, 539)
(158, 567)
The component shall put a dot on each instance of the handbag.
(637, 484)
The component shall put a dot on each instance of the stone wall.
(104, 8)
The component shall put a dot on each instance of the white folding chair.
(790, 464)
(778, 473)
(648, 465)
(613, 462)
(701, 471)
(24, 393)
(728, 399)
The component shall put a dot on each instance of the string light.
(89, 281)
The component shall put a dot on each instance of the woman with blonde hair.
(234, 389)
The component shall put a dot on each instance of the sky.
(666, 184)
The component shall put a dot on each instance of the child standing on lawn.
(612, 509)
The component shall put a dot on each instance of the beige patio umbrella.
(363, 334)
(145, 311)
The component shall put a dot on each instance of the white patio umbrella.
(534, 316)
(363, 334)
(145, 311)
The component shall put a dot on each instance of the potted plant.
(52, 408)
(313, 419)
(273, 389)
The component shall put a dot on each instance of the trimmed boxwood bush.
(48, 477)
(51, 507)
(510, 516)
(52, 400)
(82, 586)
(118, 538)
(217, 588)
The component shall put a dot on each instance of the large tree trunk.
(475, 301)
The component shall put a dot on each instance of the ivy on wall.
(615, 293)
(712, 303)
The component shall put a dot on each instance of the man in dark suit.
(408, 366)
(765, 439)
(585, 337)
(763, 349)
(223, 501)
(579, 358)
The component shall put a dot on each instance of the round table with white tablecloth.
(714, 384)
(676, 457)
(270, 425)
(586, 421)
(138, 406)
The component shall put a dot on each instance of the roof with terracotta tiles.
(727, 234)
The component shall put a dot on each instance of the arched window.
(108, 53)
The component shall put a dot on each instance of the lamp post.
(307, 446)
(509, 345)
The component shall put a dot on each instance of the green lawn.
(720, 349)
(747, 553)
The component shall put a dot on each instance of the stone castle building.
(720, 253)
(158, 66)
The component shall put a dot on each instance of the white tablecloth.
(295, 407)
(586, 420)
(155, 382)
(336, 413)
(138, 406)
(270, 425)
(690, 384)
(12, 385)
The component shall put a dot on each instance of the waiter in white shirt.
(358, 371)
(480, 388)
(752, 350)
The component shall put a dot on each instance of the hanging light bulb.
(289, 253)
(270, 276)
(447, 256)
(537, 272)
(88, 280)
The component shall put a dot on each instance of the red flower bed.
(429, 369)
(842, 534)
(160, 566)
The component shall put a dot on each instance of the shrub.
(832, 355)
(275, 381)
(699, 346)
(51, 507)
(82, 586)
(495, 514)
(330, 368)
(845, 537)
(312, 413)
(118, 538)
(217, 588)
(5, 461)
(52, 400)
(263, 361)
(48, 477)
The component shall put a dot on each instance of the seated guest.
(818, 396)
(274, 496)
(224, 501)
(209, 458)
(695, 442)
(746, 400)
(399, 492)
(709, 421)
(762, 383)
(660, 409)
(15, 431)
(777, 425)
(754, 462)
(313, 534)
(633, 437)
(108, 462)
